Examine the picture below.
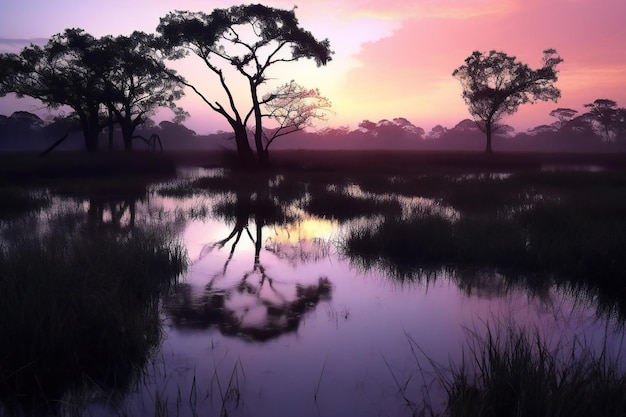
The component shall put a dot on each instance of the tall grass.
(563, 228)
(513, 372)
(80, 314)
(342, 206)
(16, 201)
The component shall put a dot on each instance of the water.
(272, 317)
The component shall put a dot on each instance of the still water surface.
(272, 318)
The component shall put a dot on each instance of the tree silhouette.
(68, 71)
(137, 83)
(123, 75)
(496, 84)
(249, 39)
(294, 108)
(607, 115)
(564, 115)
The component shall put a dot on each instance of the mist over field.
(24, 131)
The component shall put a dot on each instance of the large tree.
(137, 82)
(496, 84)
(249, 39)
(123, 76)
(67, 71)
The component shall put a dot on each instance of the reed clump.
(514, 372)
(84, 314)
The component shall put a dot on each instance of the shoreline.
(27, 166)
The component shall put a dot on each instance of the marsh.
(300, 293)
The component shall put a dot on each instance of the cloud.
(411, 69)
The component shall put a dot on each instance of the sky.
(391, 59)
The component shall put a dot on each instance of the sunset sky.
(392, 59)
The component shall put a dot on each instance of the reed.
(84, 314)
(515, 372)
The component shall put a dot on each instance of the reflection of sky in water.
(354, 344)
(346, 346)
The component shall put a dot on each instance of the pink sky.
(392, 58)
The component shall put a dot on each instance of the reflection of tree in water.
(215, 307)
(256, 307)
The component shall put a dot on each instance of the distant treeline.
(569, 133)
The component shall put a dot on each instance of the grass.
(85, 314)
(28, 167)
(552, 228)
(533, 228)
(16, 201)
(341, 206)
(513, 372)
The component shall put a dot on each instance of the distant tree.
(466, 125)
(436, 132)
(367, 126)
(293, 108)
(62, 124)
(249, 39)
(506, 130)
(409, 127)
(496, 84)
(334, 131)
(563, 115)
(620, 125)
(541, 129)
(137, 82)
(606, 115)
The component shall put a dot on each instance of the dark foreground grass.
(79, 316)
(16, 201)
(512, 372)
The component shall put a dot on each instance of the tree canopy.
(249, 39)
(68, 71)
(121, 74)
(610, 118)
(496, 84)
(137, 82)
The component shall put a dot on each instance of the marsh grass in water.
(515, 372)
(15, 201)
(84, 315)
(340, 205)
(556, 228)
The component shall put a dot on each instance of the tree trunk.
(91, 131)
(91, 139)
(488, 132)
(262, 153)
(128, 132)
(244, 150)
(264, 157)
(110, 131)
